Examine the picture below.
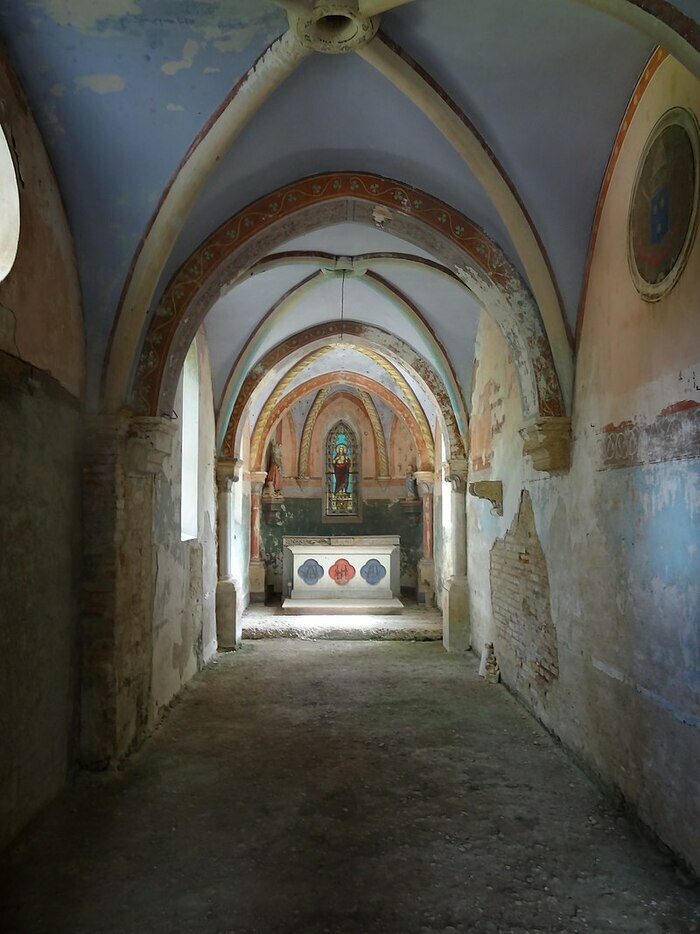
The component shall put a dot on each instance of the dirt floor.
(341, 787)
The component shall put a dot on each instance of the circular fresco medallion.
(664, 204)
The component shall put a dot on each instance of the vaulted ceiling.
(127, 94)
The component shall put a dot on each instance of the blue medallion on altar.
(373, 571)
(310, 572)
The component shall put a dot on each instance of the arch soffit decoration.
(383, 348)
(319, 201)
(358, 381)
(307, 432)
(328, 397)
(277, 403)
(406, 393)
(438, 358)
(658, 19)
(324, 386)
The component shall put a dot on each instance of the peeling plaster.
(189, 50)
(100, 84)
(86, 16)
(234, 32)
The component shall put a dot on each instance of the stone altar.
(341, 574)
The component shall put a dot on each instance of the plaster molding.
(333, 26)
(548, 442)
(492, 490)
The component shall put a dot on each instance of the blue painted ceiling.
(121, 88)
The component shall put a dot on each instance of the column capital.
(227, 473)
(456, 472)
(149, 440)
(425, 481)
(257, 480)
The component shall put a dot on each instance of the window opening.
(342, 471)
(190, 446)
(9, 209)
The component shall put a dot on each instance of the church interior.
(381, 304)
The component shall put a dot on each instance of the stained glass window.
(342, 468)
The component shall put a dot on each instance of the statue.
(411, 485)
(341, 469)
(274, 471)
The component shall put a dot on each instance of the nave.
(342, 787)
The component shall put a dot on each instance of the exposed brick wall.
(526, 643)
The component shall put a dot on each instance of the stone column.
(256, 567)
(456, 630)
(228, 628)
(125, 460)
(426, 568)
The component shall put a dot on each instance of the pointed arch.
(375, 343)
(324, 397)
(316, 202)
(436, 353)
(426, 454)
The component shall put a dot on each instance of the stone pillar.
(125, 457)
(228, 627)
(256, 567)
(456, 629)
(426, 568)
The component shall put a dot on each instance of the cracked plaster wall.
(619, 532)
(184, 622)
(41, 381)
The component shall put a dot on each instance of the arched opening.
(343, 472)
(9, 208)
(189, 462)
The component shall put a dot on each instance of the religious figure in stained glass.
(341, 471)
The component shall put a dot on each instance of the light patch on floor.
(416, 624)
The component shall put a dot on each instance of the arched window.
(342, 471)
(9, 208)
(189, 506)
